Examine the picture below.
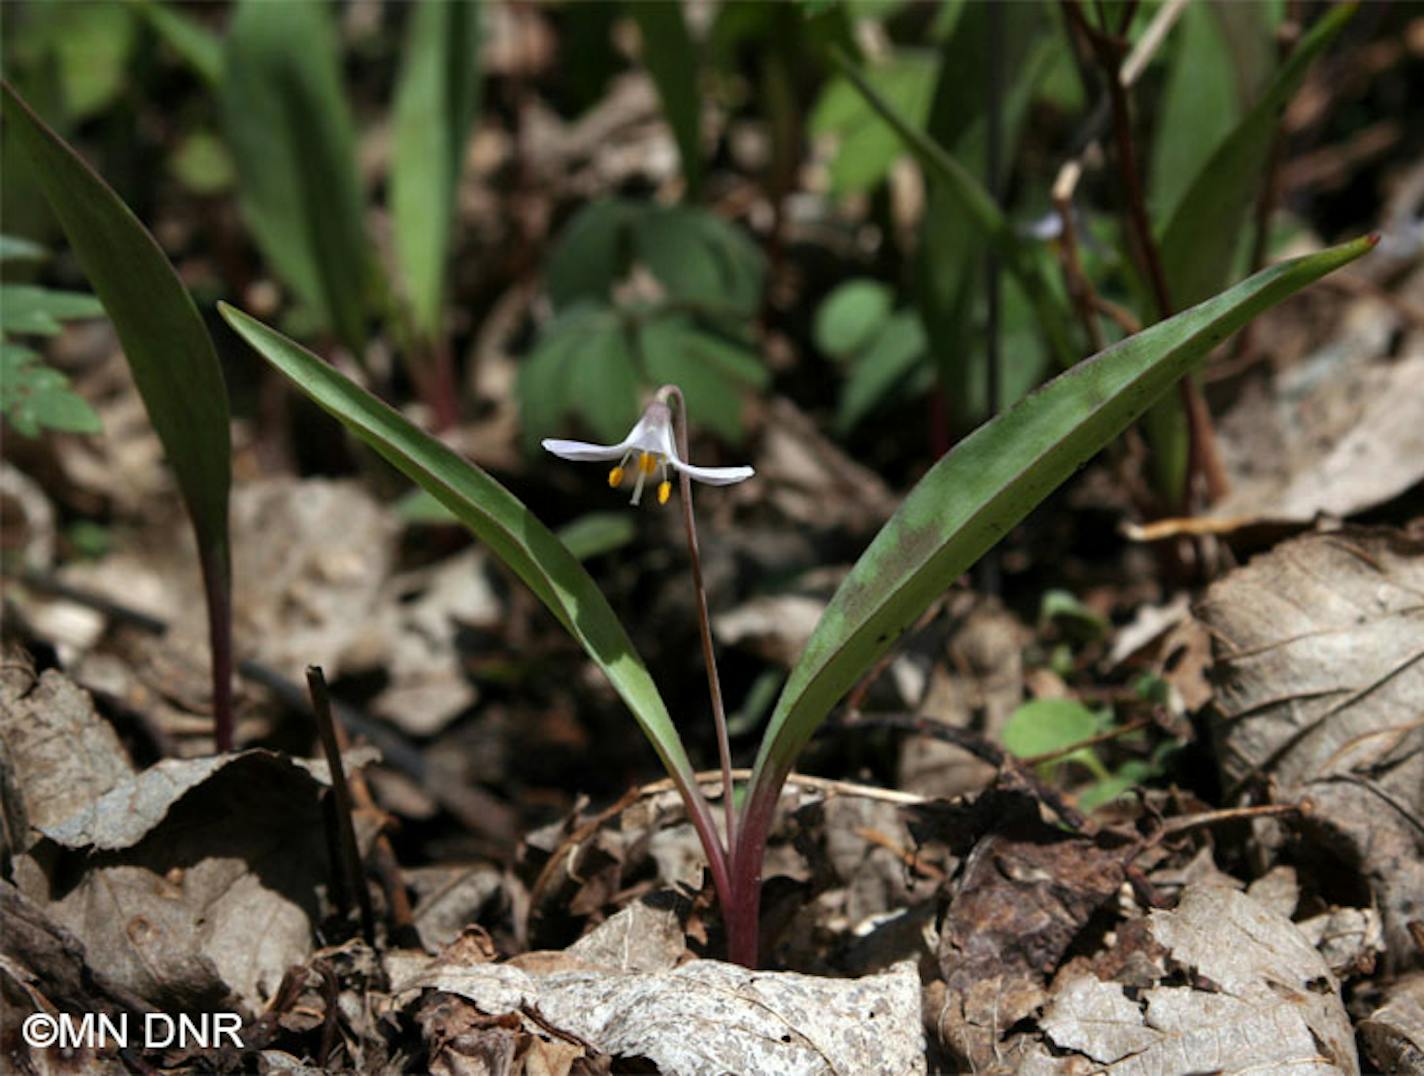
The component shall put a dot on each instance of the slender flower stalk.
(653, 448)
(704, 622)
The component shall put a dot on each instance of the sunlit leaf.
(866, 145)
(506, 527)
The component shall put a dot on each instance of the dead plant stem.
(347, 853)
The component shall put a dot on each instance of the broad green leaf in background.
(1050, 305)
(866, 146)
(437, 96)
(713, 373)
(1201, 240)
(580, 365)
(596, 534)
(202, 163)
(671, 58)
(992, 479)
(194, 43)
(700, 259)
(1043, 726)
(35, 397)
(591, 252)
(1200, 105)
(851, 316)
(507, 528)
(291, 134)
(25, 308)
(168, 349)
(897, 349)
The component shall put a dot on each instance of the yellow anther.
(647, 463)
(664, 491)
(615, 477)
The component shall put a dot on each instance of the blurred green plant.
(644, 295)
(35, 397)
(291, 141)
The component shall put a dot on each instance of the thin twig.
(1080, 289)
(873, 836)
(1091, 741)
(704, 622)
(1150, 41)
(349, 856)
(1181, 824)
(802, 780)
(977, 746)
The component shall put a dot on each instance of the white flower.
(651, 440)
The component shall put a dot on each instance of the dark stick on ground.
(347, 853)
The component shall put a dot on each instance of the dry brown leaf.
(56, 754)
(1394, 1033)
(1263, 1000)
(1319, 670)
(707, 1017)
(195, 881)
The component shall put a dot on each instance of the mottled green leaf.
(987, 484)
(169, 351)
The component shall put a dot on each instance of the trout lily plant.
(957, 511)
(968, 500)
